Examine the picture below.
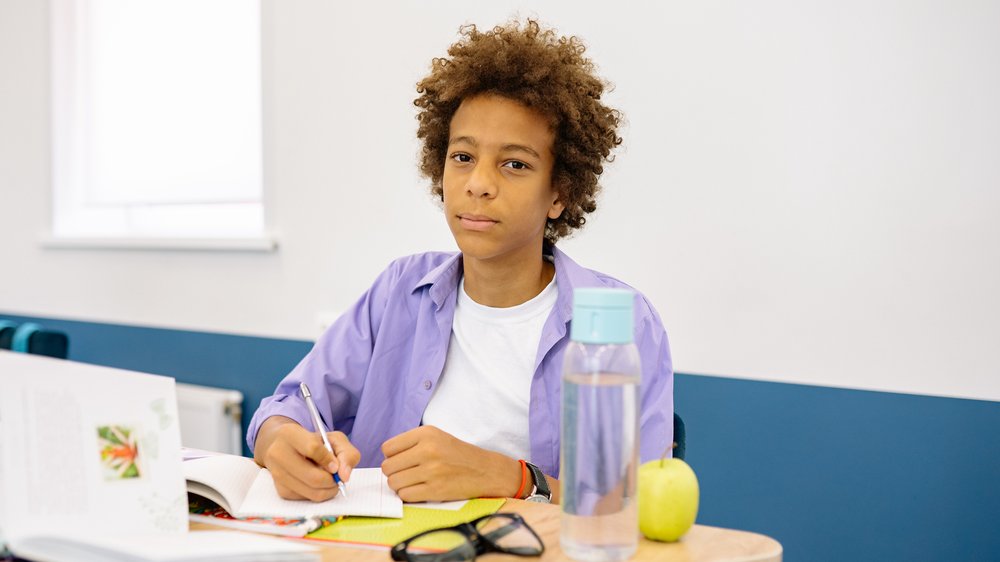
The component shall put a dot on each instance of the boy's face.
(498, 179)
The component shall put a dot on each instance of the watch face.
(537, 498)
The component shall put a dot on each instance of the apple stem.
(663, 459)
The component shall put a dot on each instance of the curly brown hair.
(543, 71)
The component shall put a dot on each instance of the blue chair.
(680, 438)
(33, 338)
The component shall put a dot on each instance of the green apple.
(668, 499)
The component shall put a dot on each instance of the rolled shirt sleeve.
(334, 369)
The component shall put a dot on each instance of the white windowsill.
(261, 244)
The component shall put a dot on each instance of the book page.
(87, 448)
(54, 491)
(190, 453)
(368, 493)
(228, 476)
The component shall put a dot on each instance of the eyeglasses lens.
(446, 545)
(509, 535)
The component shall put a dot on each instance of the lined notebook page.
(368, 494)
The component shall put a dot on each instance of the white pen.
(321, 429)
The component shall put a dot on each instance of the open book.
(244, 490)
(90, 469)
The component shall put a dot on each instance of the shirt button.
(427, 385)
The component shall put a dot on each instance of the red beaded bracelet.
(524, 478)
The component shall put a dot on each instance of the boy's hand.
(301, 466)
(427, 464)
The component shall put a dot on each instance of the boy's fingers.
(344, 470)
(406, 478)
(305, 490)
(298, 476)
(310, 446)
(401, 461)
(400, 443)
(416, 493)
(348, 456)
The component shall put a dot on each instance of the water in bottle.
(600, 434)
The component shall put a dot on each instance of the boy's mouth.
(476, 222)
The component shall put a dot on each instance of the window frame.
(77, 222)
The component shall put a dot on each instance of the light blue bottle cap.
(602, 315)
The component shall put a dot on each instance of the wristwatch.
(540, 491)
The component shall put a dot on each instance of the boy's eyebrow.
(468, 140)
(521, 147)
(505, 148)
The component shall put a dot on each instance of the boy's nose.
(482, 182)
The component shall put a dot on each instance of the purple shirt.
(373, 371)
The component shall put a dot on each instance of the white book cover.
(87, 448)
(207, 546)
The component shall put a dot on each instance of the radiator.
(210, 418)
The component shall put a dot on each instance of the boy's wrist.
(507, 478)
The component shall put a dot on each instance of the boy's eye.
(461, 157)
(516, 165)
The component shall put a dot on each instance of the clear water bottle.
(600, 429)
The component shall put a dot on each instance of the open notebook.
(244, 489)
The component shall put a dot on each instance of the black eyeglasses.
(499, 532)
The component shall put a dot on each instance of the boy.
(447, 371)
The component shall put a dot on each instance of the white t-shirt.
(484, 391)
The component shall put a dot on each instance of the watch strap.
(541, 485)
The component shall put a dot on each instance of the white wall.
(809, 191)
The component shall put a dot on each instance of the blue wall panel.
(251, 365)
(832, 474)
(839, 474)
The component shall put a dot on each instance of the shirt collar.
(569, 275)
(444, 279)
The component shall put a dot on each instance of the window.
(157, 120)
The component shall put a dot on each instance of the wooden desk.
(700, 543)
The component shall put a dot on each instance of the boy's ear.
(556, 209)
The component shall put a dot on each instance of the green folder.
(387, 531)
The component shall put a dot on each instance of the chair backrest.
(680, 438)
(29, 337)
